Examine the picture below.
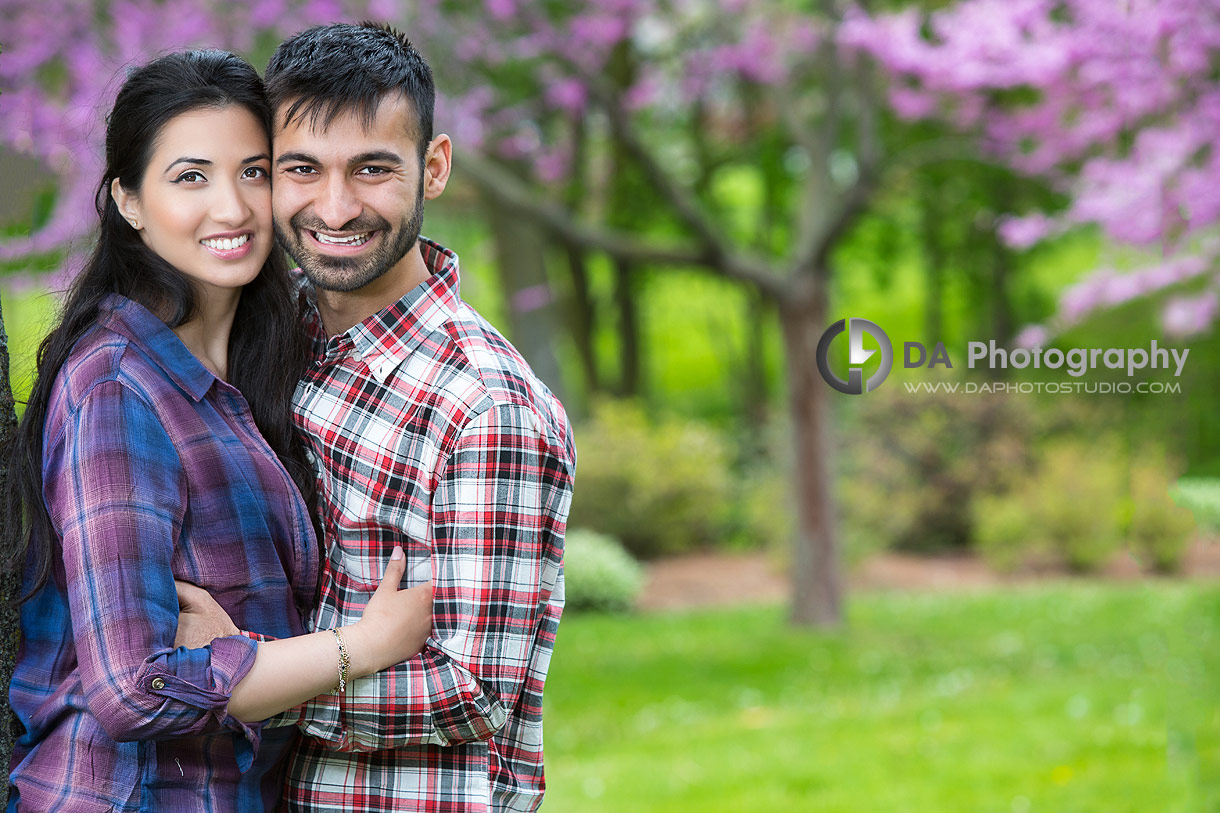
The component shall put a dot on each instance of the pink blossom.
(1031, 336)
(1023, 232)
(568, 94)
(1184, 317)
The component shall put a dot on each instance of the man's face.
(348, 201)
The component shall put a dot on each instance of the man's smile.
(341, 243)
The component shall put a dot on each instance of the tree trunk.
(755, 403)
(629, 346)
(582, 316)
(10, 583)
(817, 579)
(521, 262)
(934, 257)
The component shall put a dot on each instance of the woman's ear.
(128, 203)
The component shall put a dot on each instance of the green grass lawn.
(1065, 697)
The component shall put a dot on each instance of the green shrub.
(1079, 503)
(1160, 530)
(763, 512)
(1200, 496)
(914, 463)
(1070, 507)
(599, 575)
(1003, 531)
(658, 487)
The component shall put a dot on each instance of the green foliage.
(1079, 505)
(598, 574)
(1076, 502)
(916, 462)
(1004, 533)
(1160, 530)
(1090, 698)
(1200, 496)
(1070, 508)
(659, 487)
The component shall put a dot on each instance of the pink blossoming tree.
(1115, 103)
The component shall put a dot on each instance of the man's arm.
(498, 519)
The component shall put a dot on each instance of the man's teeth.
(227, 244)
(354, 240)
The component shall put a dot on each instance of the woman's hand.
(395, 623)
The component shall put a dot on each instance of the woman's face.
(205, 203)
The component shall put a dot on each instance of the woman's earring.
(134, 224)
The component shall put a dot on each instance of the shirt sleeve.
(498, 519)
(116, 492)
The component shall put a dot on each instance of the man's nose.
(336, 203)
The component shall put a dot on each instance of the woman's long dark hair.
(266, 344)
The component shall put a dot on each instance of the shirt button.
(158, 684)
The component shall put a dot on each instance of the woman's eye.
(190, 176)
(255, 172)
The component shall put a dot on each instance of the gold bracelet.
(344, 661)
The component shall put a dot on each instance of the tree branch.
(510, 191)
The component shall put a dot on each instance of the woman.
(157, 444)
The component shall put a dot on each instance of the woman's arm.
(287, 672)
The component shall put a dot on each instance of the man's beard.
(344, 274)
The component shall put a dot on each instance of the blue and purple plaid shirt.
(153, 470)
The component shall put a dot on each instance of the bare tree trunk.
(521, 262)
(582, 315)
(755, 405)
(934, 258)
(10, 583)
(629, 346)
(817, 579)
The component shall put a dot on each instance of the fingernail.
(396, 555)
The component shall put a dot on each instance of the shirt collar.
(385, 339)
(152, 336)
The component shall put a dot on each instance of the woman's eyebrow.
(201, 161)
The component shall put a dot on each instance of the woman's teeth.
(354, 240)
(227, 244)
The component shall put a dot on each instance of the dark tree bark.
(817, 597)
(629, 347)
(582, 315)
(534, 325)
(9, 582)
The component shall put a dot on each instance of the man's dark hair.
(328, 70)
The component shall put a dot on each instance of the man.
(429, 431)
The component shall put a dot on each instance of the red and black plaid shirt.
(429, 431)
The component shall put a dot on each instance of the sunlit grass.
(1071, 697)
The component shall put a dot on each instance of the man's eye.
(372, 171)
(190, 176)
(300, 170)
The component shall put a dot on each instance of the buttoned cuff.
(206, 682)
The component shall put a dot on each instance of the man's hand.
(200, 618)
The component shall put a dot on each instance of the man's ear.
(438, 160)
(128, 203)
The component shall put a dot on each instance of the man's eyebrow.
(201, 161)
(295, 158)
(376, 156)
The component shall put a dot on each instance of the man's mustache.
(358, 224)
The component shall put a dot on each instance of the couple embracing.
(290, 540)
